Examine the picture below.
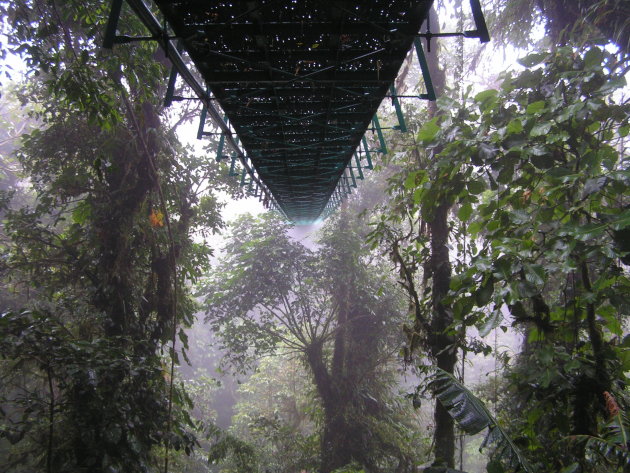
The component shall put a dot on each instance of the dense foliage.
(100, 257)
(536, 172)
(507, 211)
(332, 310)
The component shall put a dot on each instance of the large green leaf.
(429, 131)
(613, 451)
(472, 416)
(533, 59)
(465, 211)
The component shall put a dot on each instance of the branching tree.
(329, 308)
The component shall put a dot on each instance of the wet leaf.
(465, 211)
(532, 59)
(429, 130)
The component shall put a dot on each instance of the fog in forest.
(458, 302)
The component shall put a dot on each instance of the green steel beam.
(399, 113)
(379, 132)
(367, 154)
(232, 167)
(170, 88)
(346, 183)
(424, 67)
(172, 78)
(220, 147)
(354, 181)
(358, 162)
(221, 144)
(202, 122)
(112, 24)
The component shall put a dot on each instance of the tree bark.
(442, 345)
(444, 435)
(336, 448)
(589, 398)
(340, 384)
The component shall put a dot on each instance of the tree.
(104, 253)
(327, 307)
(551, 233)
(416, 227)
(427, 232)
(537, 171)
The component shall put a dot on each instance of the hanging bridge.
(292, 85)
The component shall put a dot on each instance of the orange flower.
(156, 218)
(611, 404)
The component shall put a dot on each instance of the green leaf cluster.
(536, 172)
(104, 251)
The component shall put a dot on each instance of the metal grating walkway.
(299, 82)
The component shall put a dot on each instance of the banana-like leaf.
(612, 451)
(472, 416)
(611, 445)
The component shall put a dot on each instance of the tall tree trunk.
(444, 435)
(335, 390)
(340, 383)
(442, 345)
(334, 451)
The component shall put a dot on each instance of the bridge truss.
(298, 83)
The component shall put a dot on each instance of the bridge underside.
(299, 81)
